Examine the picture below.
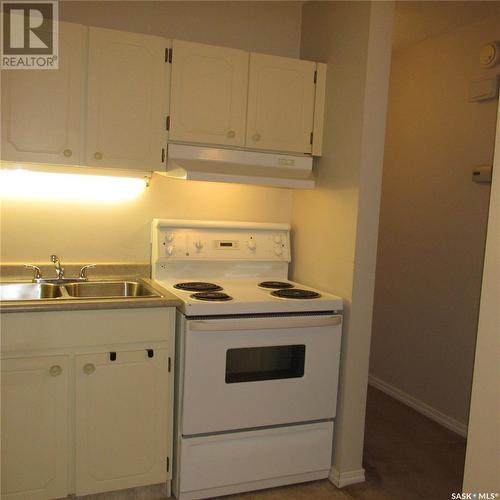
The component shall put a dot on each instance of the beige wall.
(335, 226)
(433, 221)
(482, 461)
(31, 231)
(269, 27)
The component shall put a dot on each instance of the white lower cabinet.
(87, 401)
(34, 427)
(121, 412)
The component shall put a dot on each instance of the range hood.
(203, 163)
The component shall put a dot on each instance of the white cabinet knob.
(231, 134)
(170, 249)
(256, 137)
(97, 155)
(67, 153)
(89, 368)
(199, 244)
(170, 237)
(252, 245)
(278, 250)
(277, 238)
(55, 370)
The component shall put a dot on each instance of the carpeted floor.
(406, 457)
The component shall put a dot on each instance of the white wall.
(31, 230)
(335, 226)
(482, 462)
(433, 221)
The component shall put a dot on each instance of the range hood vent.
(202, 163)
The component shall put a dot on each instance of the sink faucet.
(59, 269)
(60, 278)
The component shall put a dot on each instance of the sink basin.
(109, 289)
(29, 291)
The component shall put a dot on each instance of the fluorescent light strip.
(44, 186)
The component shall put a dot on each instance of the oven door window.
(251, 364)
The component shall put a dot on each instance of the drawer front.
(230, 459)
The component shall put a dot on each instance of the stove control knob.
(252, 245)
(169, 237)
(199, 244)
(278, 250)
(277, 238)
(170, 249)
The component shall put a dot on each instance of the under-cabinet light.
(34, 186)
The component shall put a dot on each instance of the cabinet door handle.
(89, 368)
(67, 153)
(256, 137)
(231, 134)
(97, 155)
(55, 370)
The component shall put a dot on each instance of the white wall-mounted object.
(42, 111)
(209, 94)
(106, 105)
(118, 98)
(228, 97)
(484, 88)
(127, 100)
(482, 173)
(489, 55)
(281, 94)
(71, 416)
(319, 109)
(247, 167)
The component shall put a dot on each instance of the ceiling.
(417, 20)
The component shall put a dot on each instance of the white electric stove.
(257, 358)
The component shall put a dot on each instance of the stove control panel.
(199, 243)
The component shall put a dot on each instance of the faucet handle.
(37, 274)
(83, 271)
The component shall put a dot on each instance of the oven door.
(253, 372)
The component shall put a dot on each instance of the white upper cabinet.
(281, 95)
(42, 109)
(127, 100)
(208, 94)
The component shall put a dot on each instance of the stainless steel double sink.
(84, 290)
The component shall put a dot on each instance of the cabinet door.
(127, 100)
(280, 104)
(208, 94)
(34, 428)
(42, 109)
(122, 422)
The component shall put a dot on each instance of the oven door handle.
(262, 323)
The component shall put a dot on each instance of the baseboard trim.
(341, 479)
(423, 408)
